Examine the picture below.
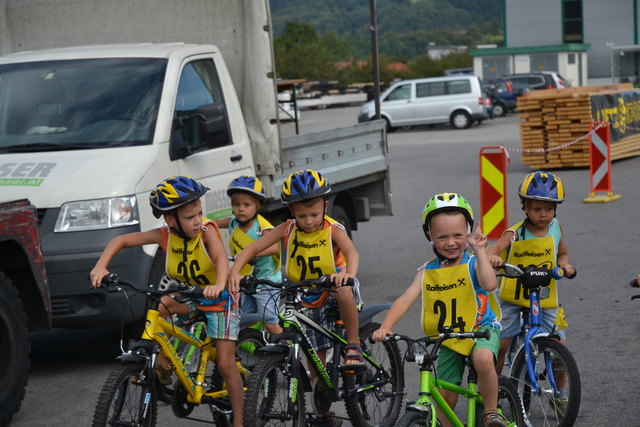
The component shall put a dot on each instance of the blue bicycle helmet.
(248, 184)
(174, 192)
(304, 185)
(542, 185)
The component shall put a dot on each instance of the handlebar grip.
(634, 283)
(486, 334)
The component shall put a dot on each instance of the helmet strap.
(178, 230)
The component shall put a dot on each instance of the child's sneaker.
(327, 420)
(164, 375)
(493, 419)
(560, 405)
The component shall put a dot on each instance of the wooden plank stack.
(556, 123)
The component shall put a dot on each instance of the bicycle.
(543, 366)
(130, 393)
(424, 352)
(373, 395)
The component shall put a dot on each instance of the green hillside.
(406, 27)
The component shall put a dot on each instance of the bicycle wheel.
(417, 418)
(381, 404)
(249, 342)
(509, 404)
(127, 398)
(554, 364)
(266, 400)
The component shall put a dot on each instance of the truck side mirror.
(214, 127)
(210, 131)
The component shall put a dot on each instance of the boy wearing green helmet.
(447, 221)
(246, 226)
(190, 240)
(538, 240)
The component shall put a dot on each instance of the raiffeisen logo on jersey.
(28, 174)
(438, 287)
(529, 253)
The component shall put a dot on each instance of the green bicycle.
(424, 352)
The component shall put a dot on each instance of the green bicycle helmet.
(304, 185)
(248, 184)
(448, 202)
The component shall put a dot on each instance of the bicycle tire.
(364, 408)
(417, 418)
(509, 404)
(543, 408)
(266, 398)
(249, 342)
(127, 400)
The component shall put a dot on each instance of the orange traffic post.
(600, 165)
(493, 196)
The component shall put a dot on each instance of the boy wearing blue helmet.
(538, 240)
(316, 245)
(246, 226)
(195, 255)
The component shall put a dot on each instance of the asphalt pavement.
(69, 367)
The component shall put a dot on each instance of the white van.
(457, 100)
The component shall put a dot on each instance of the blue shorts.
(512, 320)
(265, 303)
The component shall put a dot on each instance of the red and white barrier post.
(600, 165)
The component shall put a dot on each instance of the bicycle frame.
(431, 397)
(160, 331)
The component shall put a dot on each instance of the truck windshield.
(79, 104)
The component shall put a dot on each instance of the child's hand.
(233, 282)
(478, 240)
(495, 261)
(96, 276)
(568, 269)
(380, 334)
(213, 291)
(340, 279)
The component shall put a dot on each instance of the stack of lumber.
(553, 132)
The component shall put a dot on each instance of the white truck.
(101, 100)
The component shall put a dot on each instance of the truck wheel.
(339, 214)
(14, 350)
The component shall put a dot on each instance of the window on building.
(572, 21)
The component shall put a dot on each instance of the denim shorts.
(265, 303)
(512, 320)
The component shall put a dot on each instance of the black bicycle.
(373, 395)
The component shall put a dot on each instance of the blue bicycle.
(543, 370)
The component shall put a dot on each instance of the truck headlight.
(97, 214)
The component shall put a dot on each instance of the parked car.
(457, 100)
(504, 94)
(539, 80)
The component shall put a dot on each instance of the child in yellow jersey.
(246, 226)
(195, 255)
(537, 240)
(447, 223)
(316, 245)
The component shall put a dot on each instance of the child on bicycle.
(195, 255)
(447, 221)
(315, 245)
(246, 226)
(538, 240)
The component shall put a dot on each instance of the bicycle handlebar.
(114, 283)
(534, 276)
(434, 341)
(249, 284)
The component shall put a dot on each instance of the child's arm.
(496, 249)
(563, 255)
(486, 275)
(218, 255)
(223, 222)
(250, 252)
(342, 241)
(116, 245)
(399, 308)
(271, 250)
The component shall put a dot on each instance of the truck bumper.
(69, 257)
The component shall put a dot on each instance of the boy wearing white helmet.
(447, 222)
